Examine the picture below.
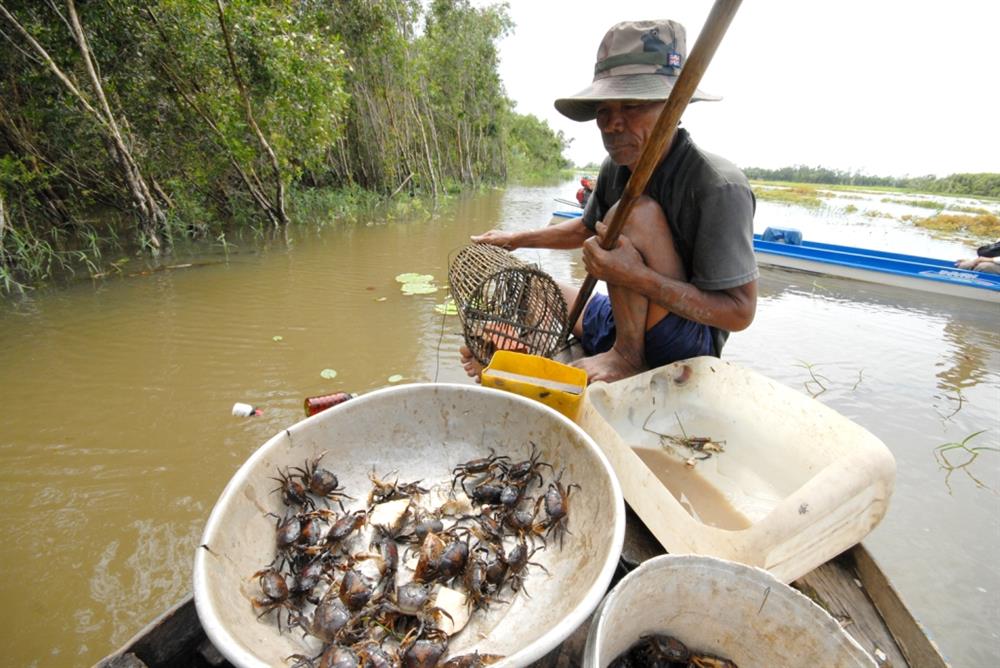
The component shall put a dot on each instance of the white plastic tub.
(808, 482)
(723, 608)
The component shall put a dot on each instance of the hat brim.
(652, 87)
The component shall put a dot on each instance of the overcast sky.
(886, 87)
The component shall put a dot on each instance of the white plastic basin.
(421, 431)
(809, 482)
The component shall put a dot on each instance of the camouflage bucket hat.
(637, 60)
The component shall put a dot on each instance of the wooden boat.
(775, 248)
(850, 587)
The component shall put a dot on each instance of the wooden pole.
(663, 133)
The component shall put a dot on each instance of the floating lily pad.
(329, 374)
(449, 307)
(414, 278)
(395, 378)
(277, 339)
(418, 288)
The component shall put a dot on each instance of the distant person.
(586, 189)
(987, 260)
(683, 274)
(987, 265)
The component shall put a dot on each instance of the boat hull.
(898, 270)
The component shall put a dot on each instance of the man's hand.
(618, 266)
(507, 240)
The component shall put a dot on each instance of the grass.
(922, 203)
(800, 195)
(833, 186)
(968, 209)
(982, 226)
(838, 187)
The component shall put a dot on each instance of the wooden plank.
(911, 637)
(835, 587)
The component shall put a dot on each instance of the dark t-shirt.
(709, 207)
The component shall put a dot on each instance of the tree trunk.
(151, 217)
(279, 193)
(427, 149)
(3, 224)
(253, 185)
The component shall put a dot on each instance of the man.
(987, 259)
(683, 274)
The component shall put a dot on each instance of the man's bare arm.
(564, 236)
(732, 309)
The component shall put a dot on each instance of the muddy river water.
(116, 436)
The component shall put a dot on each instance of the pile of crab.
(388, 580)
(663, 651)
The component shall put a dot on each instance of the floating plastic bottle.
(245, 410)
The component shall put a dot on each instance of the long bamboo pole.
(663, 133)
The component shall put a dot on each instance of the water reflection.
(971, 354)
(968, 328)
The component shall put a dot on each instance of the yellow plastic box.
(554, 384)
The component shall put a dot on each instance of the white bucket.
(723, 608)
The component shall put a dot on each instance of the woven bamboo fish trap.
(506, 304)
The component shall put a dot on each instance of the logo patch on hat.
(673, 59)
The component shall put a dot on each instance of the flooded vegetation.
(983, 225)
(795, 194)
(956, 217)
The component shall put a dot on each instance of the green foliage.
(533, 148)
(357, 100)
(974, 185)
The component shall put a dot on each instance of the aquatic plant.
(941, 454)
(922, 203)
(800, 195)
(815, 380)
(982, 226)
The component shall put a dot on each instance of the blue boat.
(785, 248)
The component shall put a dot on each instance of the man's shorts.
(673, 338)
